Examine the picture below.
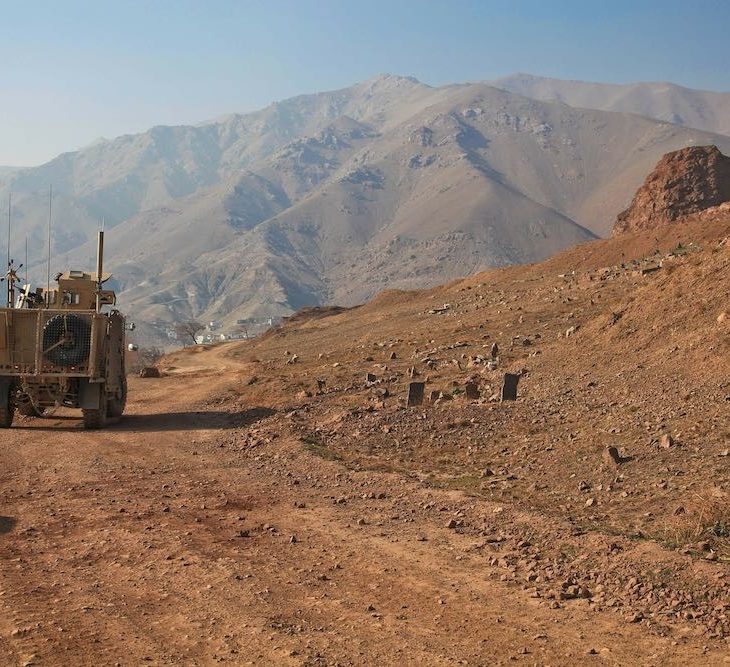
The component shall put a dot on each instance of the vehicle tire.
(25, 406)
(7, 405)
(96, 418)
(75, 331)
(115, 406)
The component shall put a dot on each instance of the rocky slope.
(117, 179)
(684, 182)
(610, 353)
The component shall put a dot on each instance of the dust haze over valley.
(332, 197)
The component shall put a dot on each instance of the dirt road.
(177, 537)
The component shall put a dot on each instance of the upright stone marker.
(472, 391)
(509, 386)
(415, 393)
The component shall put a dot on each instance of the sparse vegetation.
(187, 331)
(702, 526)
(145, 357)
(315, 446)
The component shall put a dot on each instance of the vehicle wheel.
(7, 406)
(95, 419)
(116, 405)
(26, 408)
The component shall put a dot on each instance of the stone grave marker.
(415, 393)
(509, 386)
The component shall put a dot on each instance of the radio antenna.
(48, 269)
(9, 277)
(10, 208)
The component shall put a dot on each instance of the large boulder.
(683, 182)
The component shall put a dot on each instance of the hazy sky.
(71, 72)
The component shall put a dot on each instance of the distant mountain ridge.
(668, 102)
(334, 196)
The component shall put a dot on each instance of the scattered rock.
(472, 390)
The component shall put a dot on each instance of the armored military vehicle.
(62, 347)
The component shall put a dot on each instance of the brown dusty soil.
(241, 512)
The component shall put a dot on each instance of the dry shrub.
(144, 357)
(706, 518)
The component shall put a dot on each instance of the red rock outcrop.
(683, 182)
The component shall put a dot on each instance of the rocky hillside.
(120, 178)
(335, 196)
(612, 356)
(684, 182)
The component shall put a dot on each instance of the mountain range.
(701, 109)
(334, 196)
